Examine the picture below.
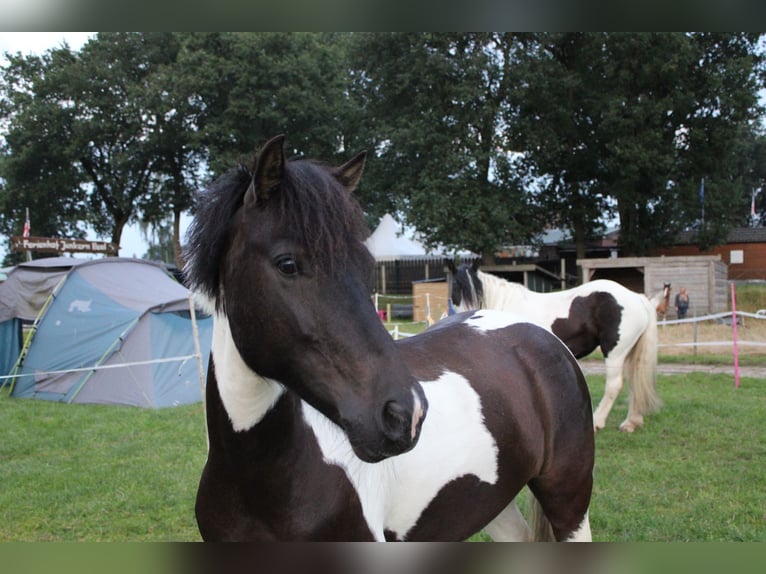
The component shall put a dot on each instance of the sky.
(132, 243)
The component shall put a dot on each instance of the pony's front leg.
(611, 392)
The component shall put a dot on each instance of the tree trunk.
(579, 237)
(119, 225)
(177, 249)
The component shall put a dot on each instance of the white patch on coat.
(583, 533)
(246, 396)
(491, 320)
(204, 302)
(454, 442)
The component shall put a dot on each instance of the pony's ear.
(450, 265)
(268, 170)
(350, 172)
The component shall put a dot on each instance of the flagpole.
(26, 233)
(754, 218)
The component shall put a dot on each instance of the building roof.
(736, 235)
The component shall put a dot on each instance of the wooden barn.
(744, 252)
(704, 276)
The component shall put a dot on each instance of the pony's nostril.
(398, 418)
(396, 411)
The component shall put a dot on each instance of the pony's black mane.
(310, 202)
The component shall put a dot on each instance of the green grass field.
(74, 473)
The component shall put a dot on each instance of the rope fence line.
(760, 314)
(397, 333)
(733, 316)
(179, 359)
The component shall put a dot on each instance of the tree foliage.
(436, 105)
(479, 140)
(36, 167)
(630, 124)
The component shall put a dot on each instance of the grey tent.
(23, 295)
(116, 331)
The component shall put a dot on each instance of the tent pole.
(102, 358)
(198, 353)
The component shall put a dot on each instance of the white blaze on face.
(454, 442)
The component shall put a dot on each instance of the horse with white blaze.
(321, 427)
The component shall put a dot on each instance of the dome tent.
(116, 331)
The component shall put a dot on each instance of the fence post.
(734, 333)
(694, 330)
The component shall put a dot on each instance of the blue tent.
(117, 331)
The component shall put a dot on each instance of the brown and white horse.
(599, 314)
(321, 427)
(662, 301)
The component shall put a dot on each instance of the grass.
(694, 472)
(100, 473)
(750, 297)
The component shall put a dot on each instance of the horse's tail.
(542, 531)
(641, 366)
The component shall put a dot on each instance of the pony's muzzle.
(402, 423)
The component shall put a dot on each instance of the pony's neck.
(245, 395)
(499, 293)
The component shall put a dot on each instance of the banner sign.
(58, 245)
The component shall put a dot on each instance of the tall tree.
(436, 104)
(116, 121)
(557, 127)
(174, 121)
(256, 85)
(632, 123)
(83, 122)
(35, 150)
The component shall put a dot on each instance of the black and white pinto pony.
(321, 427)
(598, 314)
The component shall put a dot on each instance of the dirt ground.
(591, 367)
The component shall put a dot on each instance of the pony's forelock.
(311, 203)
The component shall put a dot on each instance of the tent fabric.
(22, 296)
(391, 242)
(109, 313)
(10, 346)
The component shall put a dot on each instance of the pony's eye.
(286, 265)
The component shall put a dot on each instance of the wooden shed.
(704, 276)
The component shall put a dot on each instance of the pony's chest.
(395, 493)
